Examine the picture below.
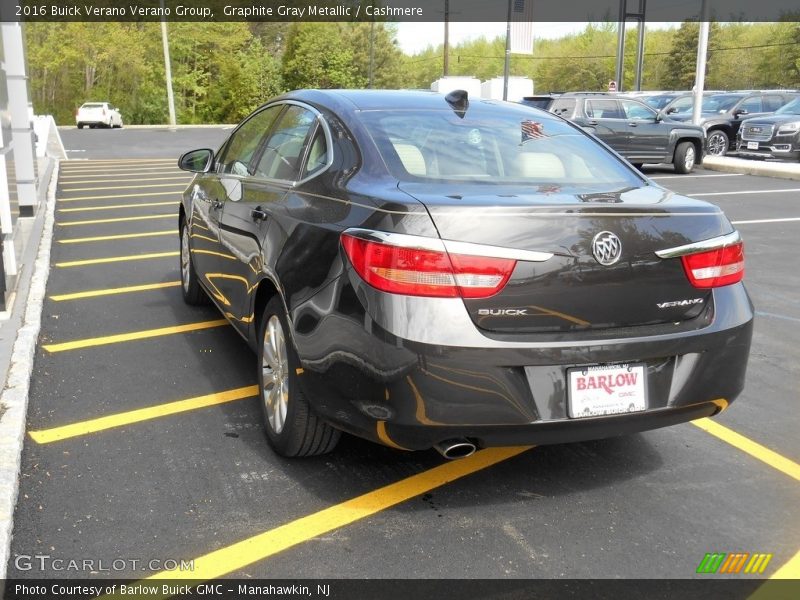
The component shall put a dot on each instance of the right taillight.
(715, 268)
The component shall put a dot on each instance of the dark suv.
(722, 114)
(636, 131)
(775, 136)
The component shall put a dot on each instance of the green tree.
(318, 55)
(681, 68)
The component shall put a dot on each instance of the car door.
(211, 259)
(246, 216)
(648, 137)
(604, 118)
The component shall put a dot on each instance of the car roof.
(365, 100)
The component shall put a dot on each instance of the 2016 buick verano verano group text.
(437, 271)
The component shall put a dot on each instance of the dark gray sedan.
(438, 271)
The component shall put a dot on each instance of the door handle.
(258, 214)
(592, 122)
(634, 124)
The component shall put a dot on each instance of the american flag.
(532, 130)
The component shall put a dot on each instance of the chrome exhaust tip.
(454, 449)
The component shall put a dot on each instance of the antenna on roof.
(459, 100)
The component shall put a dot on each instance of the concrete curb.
(14, 397)
(730, 164)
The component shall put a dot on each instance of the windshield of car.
(497, 148)
(721, 103)
(658, 102)
(793, 108)
(93, 105)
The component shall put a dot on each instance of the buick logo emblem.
(606, 248)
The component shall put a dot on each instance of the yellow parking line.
(116, 206)
(113, 259)
(132, 336)
(754, 449)
(183, 179)
(112, 291)
(118, 170)
(56, 434)
(775, 588)
(122, 187)
(239, 555)
(77, 162)
(123, 236)
(116, 220)
(119, 196)
(114, 176)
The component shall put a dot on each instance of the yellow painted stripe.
(47, 436)
(77, 162)
(754, 449)
(148, 194)
(132, 336)
(112, 291)
(138, 179)
(116, 220)
(116, 206)
(122, 187)
(774, 588)
(121, 170)
(113, 259)
(115, 176)
(239, 555)
(122, 236)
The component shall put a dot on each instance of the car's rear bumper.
(425, 386)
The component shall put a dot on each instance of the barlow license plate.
(752, 145)
(606, 390)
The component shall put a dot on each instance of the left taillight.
(715, 268)
(419, 271)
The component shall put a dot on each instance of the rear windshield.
(93, 105)
(513, 146)
(793, 108)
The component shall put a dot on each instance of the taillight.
(715, 268)
(426, 272)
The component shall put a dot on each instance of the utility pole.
(700, 73)
(446, 66)
(638, 16)
(371, 52)
(507, 64)
(168, 71)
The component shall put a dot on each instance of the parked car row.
(656, 126)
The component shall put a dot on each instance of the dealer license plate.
(606, 390)
(752, 145)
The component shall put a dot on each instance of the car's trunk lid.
(573, 290)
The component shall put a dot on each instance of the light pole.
(168, 70)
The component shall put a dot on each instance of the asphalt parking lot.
(145, 440)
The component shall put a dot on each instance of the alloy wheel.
(688, 158)
(185, 262)
(716, 144)
(275, 374)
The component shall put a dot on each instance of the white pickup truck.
(98, 114)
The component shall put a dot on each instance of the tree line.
(222, 71)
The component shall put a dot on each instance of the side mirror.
(739, 111)
(197, 161)
(659, 117)
(671, 110)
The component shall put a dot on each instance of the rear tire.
(292, 427)
(718, 143)
(193, 293)
(80, 125)
(685, 158)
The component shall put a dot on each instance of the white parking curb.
(14, 397)
(761, 168)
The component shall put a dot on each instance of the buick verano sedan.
(439, 271)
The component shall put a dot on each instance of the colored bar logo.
(733, 563)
